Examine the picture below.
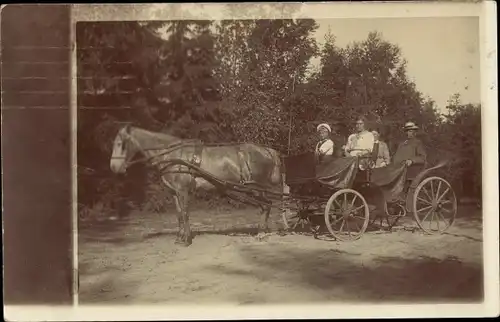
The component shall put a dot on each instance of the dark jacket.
(339, 141)
(411, 149)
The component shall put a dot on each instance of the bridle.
(166, 149)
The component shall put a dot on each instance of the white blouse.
(325, 147)
(360, 141)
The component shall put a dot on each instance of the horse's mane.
(157, 135)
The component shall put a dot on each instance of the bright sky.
(442, 53)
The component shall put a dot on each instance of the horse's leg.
(264, 216)
(175, 195)
(265, 210)
(186, 236)
(180, 219)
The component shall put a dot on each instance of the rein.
(174, 146)
(168, 149)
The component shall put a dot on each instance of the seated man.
(325, 147)
(360, 143)
(412, 152)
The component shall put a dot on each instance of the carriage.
(343, 195)
(347, 195)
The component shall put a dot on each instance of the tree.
(231, 48)
(188, 89)
(369, 78)
(463, 128)
(275, 62)
(114, 73)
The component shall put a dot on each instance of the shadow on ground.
(126, 238)
(407, 280)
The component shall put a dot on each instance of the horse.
(241, 163)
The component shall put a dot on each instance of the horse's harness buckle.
(196, 160)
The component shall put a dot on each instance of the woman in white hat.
(325, 146)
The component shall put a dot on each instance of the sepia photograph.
(253, 155)
(300, 160)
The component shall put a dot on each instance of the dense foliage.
(247, 80)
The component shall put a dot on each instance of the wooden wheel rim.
(342, 219)
(434, 200)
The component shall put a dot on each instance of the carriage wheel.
(347, 215)
(434, 205)
(296, 220)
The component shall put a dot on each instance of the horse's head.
(124, 150)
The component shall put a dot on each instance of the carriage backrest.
(300, 167)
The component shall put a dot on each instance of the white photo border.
(485, 10)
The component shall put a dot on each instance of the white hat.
(410, 126)
(326, 126)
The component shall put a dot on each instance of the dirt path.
(136, 261)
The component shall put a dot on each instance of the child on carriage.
(325, 147)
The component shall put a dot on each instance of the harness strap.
(243, 162)
(198, 150)
(196, 161)
(240, 156)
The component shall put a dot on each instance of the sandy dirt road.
(135, 260)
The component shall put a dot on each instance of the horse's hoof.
(181, 242)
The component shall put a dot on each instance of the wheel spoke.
(448, 210)
(439, 187)
(361, 218)
(426, 193)
(441, 215)
(356, 222)
(340, 206)
(432, 190)
(357, 208)
(348, 228)
(423, 200)
(427, 215)
(432, 218)
(444, 193)
(345, 201)
(353, 200)
(342, 226)
(425, 208)
(337, 220)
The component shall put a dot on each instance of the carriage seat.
(300, 167)
(413, 170)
